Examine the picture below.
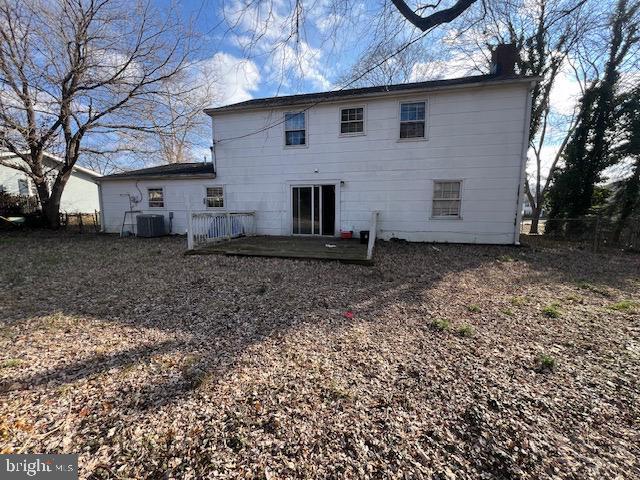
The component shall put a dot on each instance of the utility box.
(150, 225)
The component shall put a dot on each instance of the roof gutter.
(305, 100)
(157, 177)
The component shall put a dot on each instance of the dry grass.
(155, 365)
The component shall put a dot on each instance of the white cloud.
(457, 65)
(233, 79)
(267, 30)
(565, 92)
(547, 155)
(303, 62)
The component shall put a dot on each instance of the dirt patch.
(458, 361)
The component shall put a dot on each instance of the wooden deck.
(316, 248)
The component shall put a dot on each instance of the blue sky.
(251, 71)
(259, 57)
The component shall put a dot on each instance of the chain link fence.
(594, 231)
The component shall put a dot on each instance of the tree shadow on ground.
(216, 308)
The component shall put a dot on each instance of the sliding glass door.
(314, 209)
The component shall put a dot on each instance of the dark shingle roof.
(172, 170)
(287, 100)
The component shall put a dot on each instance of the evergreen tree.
(628, 196)
(588, 152)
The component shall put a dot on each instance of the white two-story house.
(442, 161)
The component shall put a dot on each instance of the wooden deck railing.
(372, 233)
(205, 227)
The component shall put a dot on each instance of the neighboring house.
(80, 194)
(442, 161)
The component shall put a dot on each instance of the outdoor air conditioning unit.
(150, 225)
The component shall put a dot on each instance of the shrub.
(507, 311)
(474, 308)
(10, 363)
(518, 301)
(546, 363)
(551, 311)
(465, 330)
(624, 306)
(440, 324)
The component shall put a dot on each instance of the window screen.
(351, 120)
(156, 197)
(295, 129)
(215, 197)
(412, 120)
(446, 199)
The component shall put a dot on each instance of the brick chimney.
(503, 59)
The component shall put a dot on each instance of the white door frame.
(309, 183)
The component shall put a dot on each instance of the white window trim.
(433, 189)
(364, 121)
(224, 197)
(304, 111)
(426, 119)
(164, 199)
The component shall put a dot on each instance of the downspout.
(100, 205)
(213, 147)
(523, 164)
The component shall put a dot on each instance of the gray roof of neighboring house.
(274, 102)
(172, 170)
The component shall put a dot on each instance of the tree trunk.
(535, 219)
(52, 213)
(42, 189)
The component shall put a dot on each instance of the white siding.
(9, 178)
(179, 197)
(474, 135)
(80, 194)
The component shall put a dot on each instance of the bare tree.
(374, 69)
(548, 35)
(278, 31)
(437, 17)
(74, 74)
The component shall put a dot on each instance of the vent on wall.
(150, 225)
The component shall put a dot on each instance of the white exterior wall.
(473, 134)
(80, 194)
(179, 197)
(9, 178)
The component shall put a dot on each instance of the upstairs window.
(295, 132)
(156, 197)
(447, 196)
(352, 121)
(412, 120)
(215, 197)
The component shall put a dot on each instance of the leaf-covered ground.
(459, 361)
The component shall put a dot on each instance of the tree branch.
(437, 18)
